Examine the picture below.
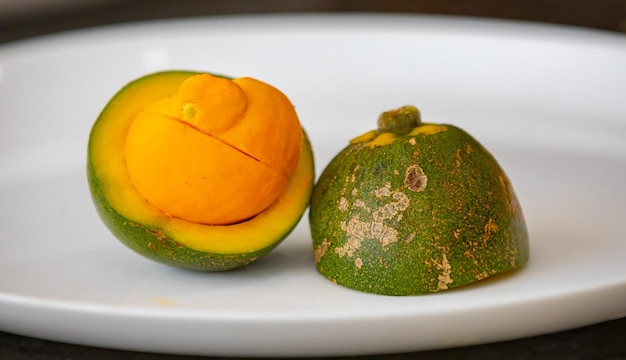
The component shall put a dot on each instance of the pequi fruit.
(199, 171)
(415, 208)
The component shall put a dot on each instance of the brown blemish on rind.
(469, 253)
(161, 237)
(384, 191)
(357, 230)
(361, 204)
(343, 204)
(489, 230)
(358, 262)
(484, 275)
(491, 226)
(158, 234)
(513, 253)
(320, 250)
(415, 179)
(445, 270)
(390, 210)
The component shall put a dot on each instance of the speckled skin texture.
(155, 245)
(426, 213)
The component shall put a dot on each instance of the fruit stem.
(399, 121)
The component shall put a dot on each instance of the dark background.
(38, 17)
(43, 18)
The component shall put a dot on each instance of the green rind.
(153, 243)
(467, 212)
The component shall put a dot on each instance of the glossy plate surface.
(547, 101)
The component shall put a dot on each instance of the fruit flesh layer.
(107, 164)
(216, 152)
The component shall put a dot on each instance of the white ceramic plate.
(547, 101)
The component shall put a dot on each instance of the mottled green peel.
(154, 244)
(419, 215)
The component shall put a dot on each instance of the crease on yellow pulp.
(187, 154)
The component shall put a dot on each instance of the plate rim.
(107, 31)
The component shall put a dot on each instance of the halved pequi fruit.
(414, 208)
(199, 171)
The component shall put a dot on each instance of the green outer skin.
(467, 211)
(151, 243)
(154, 244)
